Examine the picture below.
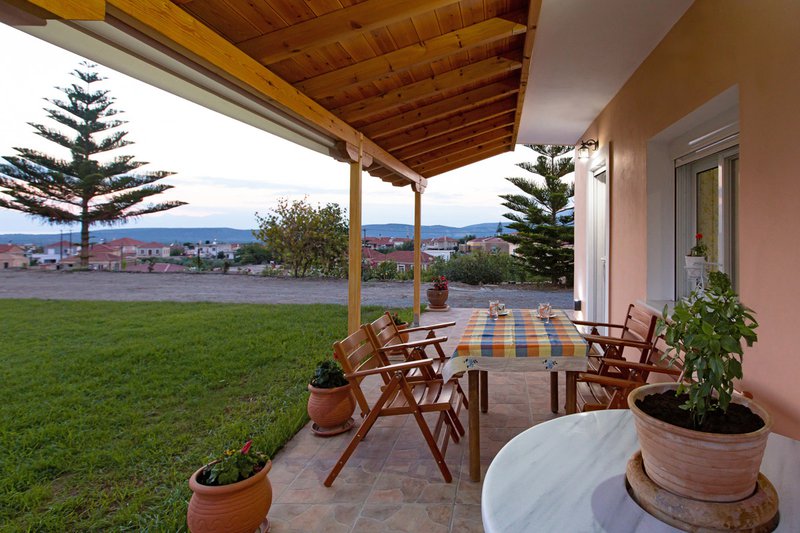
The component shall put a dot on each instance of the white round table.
(568, 475)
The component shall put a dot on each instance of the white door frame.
(598, 230)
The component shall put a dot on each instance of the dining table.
(518, 341)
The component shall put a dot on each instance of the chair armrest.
(600, 339)
(428, 328)
(608, 381)
(600, 324)
(413, 344)
(388, 369)
(645, 367)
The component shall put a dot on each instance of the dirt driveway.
(250, 289)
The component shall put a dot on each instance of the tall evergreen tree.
(82, 190)
(544, 229)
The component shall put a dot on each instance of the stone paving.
(391, 483)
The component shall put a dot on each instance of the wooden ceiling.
(438, 84)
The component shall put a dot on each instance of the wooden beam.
(400, 60)
(464, 120)
(354, 247)
(534, 9)
(177, 29)
(451, 80)
(335, 26)
(417, 255)
(463, 134)
(468, 161)
(449, 106)
(63, 9)
(454, 157)
(467, 145)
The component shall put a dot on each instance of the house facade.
(12, 256)
(405, 260)
(491, 245)
(152, 249)
(700, 140)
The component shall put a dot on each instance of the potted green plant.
(698, 255)
(231, 493)
(330, 402)
(698, 438)
(438, 293)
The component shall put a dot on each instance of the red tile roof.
(152, 245)
(125, 241)
(407, 257)
(369, 253)
(5, 248)
(61, 244)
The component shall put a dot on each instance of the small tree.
(544, 229)
(82, 190)
(303, 236)
(252, 253)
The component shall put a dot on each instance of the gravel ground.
(251, 289)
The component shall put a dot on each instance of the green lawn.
(108, 407)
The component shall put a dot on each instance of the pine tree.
(82, 190)
(544, 232)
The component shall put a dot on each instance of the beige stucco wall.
(718, 44)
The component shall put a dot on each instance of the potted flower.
(698, 255)
(231, 493)
(400, 324)
(437, 295)
(698, 438)
(330, 403)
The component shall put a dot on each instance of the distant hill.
(181, 235)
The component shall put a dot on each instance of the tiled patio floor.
(391, 483)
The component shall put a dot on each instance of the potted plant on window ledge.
(330, 402)
(696, 260)
(699, 439)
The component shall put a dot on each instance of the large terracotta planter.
(330, 408)
(437, 298)
(236, 508)
(703, 466)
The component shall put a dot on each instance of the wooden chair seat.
(399, 396)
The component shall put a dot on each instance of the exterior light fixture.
(583, 151)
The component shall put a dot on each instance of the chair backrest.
(356, 353)
(640, 325)
(383, 332)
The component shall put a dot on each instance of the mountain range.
(181, 235)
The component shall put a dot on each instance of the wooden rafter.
(467, 145)
(338, 25)
(527, 51)
(409, 94)
(447, 107)
(469, 160)
(437, 143)
(466, 153)
(485, 32)
(448, 125)
(174, 27)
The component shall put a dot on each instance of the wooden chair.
(635, 337)
(387, 341)
(602, 391)
(399, 396)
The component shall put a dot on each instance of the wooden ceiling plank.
(460, 155)
(468, 161)
(534, 9)
(404, 58)
(447, 107)
(440, 141)
(338, 25)
(451, 124)
(466, 144)
(174, 27)
(409, 94)
(63, 9)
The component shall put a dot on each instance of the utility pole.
(61, 246)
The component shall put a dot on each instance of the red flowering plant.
(440, 283)
(234, 465)
(699, 249)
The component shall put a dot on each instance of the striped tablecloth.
(520, 341)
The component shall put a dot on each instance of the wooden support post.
(354, 255)
(417, 255)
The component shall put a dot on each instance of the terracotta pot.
(401, 327)
(330, 408)
(703, 466)
(236, 508)
(437, 298)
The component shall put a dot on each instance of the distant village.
(131, 255)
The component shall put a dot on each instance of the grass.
(108, 407)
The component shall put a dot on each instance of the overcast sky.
(226, 170)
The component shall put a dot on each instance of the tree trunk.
(85, 235)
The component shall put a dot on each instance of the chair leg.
(426, 432)
(456, 422)
(362, 431)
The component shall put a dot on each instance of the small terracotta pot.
(437, 298)
(236, 508)
(704, 466)
(330, 408)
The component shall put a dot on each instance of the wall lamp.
(583, 151)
